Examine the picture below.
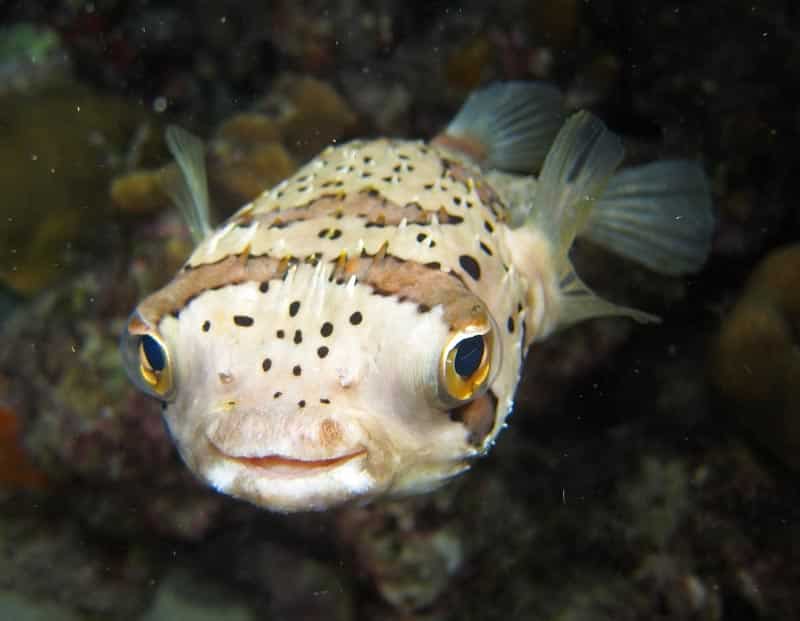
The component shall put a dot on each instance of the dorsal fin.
(189, 191)
(508, 125)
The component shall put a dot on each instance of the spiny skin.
(307, 330)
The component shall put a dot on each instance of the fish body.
(359, 329)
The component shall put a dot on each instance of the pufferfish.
(359, 329)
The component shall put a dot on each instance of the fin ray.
(658, 214)
(580, 162)
(190, 191)
(579, 302)
(514, 121)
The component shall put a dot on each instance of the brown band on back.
(367, 203)
(467, 145)
(387, 275)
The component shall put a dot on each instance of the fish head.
(306, 391)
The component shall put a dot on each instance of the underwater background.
(647, 472)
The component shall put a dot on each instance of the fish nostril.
(225, 378)
(330, 433)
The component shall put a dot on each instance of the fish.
(358, 331)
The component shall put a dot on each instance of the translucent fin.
(513, 122)
(583, 157)
(189, 191)
(658, 214)
(517, 193)
(579, 302)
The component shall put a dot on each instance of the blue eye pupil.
(154, 353)
(469, 354)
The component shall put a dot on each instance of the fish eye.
(147, 359)
(469, 361)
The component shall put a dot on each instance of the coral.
(308, 113)
(246, 157)
(755, 363)
(252, 151)
(139, 192)
(85, 426)
(70, 139)
(466, 65)
(411, 563)
(16, 470)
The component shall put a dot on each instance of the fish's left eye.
(468, 363)
(147, 359)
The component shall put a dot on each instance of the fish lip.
(283, 465)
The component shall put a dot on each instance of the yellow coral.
(755, 364)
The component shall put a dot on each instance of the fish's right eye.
(147, 359)
(468, 363)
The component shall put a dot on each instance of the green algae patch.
(58, 150)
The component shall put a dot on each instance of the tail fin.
(658, 214)
(508, 125)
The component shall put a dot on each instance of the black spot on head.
(322, 351)
(356, 318)
(326, 329)
(266, 365)
(293, 308)
(297, 370)
(336, 234)
(243, 320)
(325, 401)
(280, 334)
(423, 308)
(486, 249)
(301, 403)
(277, 394)
(470, 266)
(510, 324)
(206, 326)
(421, 237)
(488, 226)
(264, 286)
(298, 337)
(323, 233)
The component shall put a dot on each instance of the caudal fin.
(658, 214)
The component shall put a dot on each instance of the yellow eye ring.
(466, 364)
(147, 360)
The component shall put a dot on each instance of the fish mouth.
(282, 465)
